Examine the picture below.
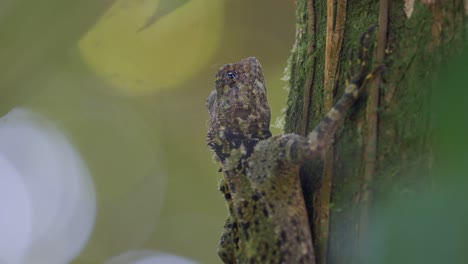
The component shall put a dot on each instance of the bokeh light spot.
(165, 54)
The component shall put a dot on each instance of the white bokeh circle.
(63, 198)
(15, 215)
(146, 256)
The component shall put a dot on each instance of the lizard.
(267, 221)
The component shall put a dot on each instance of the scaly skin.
(267, 220)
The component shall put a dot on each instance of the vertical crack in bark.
(370, 148)
(336, 18)
(310, 77)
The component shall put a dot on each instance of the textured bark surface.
(383, 149)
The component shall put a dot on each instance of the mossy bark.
(383, 149)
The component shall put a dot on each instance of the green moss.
(297, 68)
(404, 129)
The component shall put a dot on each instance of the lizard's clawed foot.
(360, 63)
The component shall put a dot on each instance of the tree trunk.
(383, 150)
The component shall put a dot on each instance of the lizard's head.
(238, 107)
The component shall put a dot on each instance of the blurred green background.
(132, 101)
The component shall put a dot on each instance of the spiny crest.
(238, 107)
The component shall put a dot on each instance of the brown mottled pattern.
(267, 220)
(238, 107)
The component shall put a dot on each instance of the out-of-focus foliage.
(153, 175)
(432, 227)
(165, 53)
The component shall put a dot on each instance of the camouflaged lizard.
(267, 220)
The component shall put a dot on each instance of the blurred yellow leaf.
(139, 60)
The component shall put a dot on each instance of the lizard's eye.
(231, 75)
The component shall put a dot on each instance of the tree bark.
(383, 150)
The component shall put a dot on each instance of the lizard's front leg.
(229, 241)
